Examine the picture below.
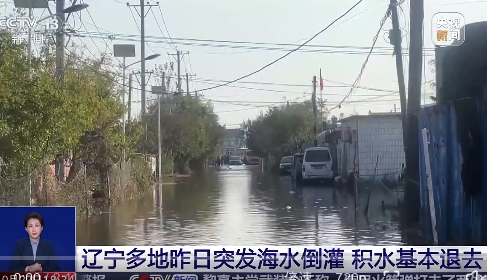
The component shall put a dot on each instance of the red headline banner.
(37, 275)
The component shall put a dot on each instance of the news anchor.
(34, 254)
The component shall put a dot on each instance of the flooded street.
(243, 206)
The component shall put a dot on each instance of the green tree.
(190, 130)
(42, 118)
(280, 130)
(39, 117)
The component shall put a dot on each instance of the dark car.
(285, 165)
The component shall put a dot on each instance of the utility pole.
(142, 15)
(315, 112)
(179, 57)
(142, 56)
(187, 84)
(60, 40)
(179, 71)
(321, 103)
(29, 44)
(129, 106)
(412, 192)
(130, 96)
(395, 39)
(159, 132)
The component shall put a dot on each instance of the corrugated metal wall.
(460, 219)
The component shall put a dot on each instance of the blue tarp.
(460, 219)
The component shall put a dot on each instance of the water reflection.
(242, 206)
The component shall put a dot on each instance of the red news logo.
(147, 277)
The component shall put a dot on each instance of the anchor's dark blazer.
(23, 256)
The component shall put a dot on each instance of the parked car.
(235, 160)
(250, 158)
(317, 164)
(285, 165)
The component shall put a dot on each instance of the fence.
(449, 214)
(41, 187)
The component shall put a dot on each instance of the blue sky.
(341, 53)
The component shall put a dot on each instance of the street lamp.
(124, 51)
(150, 57)
(74, 8)
(43, 4)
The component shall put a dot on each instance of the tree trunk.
(197, 164)
(74, 169)
(182, 166)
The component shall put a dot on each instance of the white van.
(317, 163)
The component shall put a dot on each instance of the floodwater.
(243, 206)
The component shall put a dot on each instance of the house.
(234, 139)
(368, 141)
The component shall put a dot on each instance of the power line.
(94, 23)
(138, 28)
(252, 105)
(390, 92)
(256, 107)
(160, 29)
(260, 46)
(287, 54)
(191, 68)
(246, 42)
(249, 107)
(165, 26)
(295, 92)
(136, 38)
(334, 50)
(99, 32)
(467, 2)
(344, 85)
(374, 41)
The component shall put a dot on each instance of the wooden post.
(411, 192)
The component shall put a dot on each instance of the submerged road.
(243, 206)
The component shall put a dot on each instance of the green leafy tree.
(281, 130)
(190, 130)
(41, 118)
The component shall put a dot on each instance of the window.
(317, 156)
(286, 160)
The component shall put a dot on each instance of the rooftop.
(233, 133)
(371, 115)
